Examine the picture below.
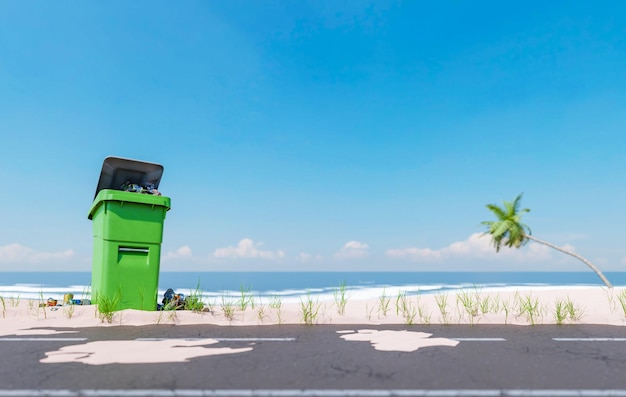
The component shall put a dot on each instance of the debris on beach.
(173, 301)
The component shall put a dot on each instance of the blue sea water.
(292, 286)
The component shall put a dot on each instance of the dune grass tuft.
(423, 313)
(14, 301)
(383, 303)
(309, 309)
(400, 302)
(193, 301)
(409, 314)
(68, 310)
(246, 299)
(276, 303)
(228, 308)
(469, 303)
(42, 304)
(340, 298)
(574, 312)
(530, 308)
(260, 311)
(442, 303)
(566, 309)
(107, 306)
(560, 313)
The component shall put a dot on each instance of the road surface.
(316, 361)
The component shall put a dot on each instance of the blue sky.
(318, 136)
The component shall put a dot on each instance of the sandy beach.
(531, 306)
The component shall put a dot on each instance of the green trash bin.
(127, 232)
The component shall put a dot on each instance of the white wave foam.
(356, 292)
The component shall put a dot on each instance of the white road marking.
(277, 339)
(224, 339)
(42, 339)
(315, 393)
(589, 339)
(256, 339)
(30, 339)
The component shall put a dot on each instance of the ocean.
(293, 286)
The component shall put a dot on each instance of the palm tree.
(508, 230)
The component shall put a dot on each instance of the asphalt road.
(314, 360)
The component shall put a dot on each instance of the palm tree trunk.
(580, 258)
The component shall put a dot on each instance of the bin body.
(127, 232)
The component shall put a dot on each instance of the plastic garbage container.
(127, 232)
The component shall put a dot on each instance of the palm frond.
(500, 228)
(509, 208)
(496, 242)
(517, 238)
(516, 202)
(499, 212)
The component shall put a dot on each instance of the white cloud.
(413, 253)
(304, 257)
(353, 249)
(183, 252)
(247, 249)
(357, 245)
(476, 246)
(16, 253)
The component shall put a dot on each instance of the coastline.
(471, 306)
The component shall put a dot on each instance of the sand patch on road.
(138, 352)
(400, 341)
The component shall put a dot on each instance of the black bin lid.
(117, 170)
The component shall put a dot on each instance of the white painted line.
(256, 339)
(224, 339)
(42, 339)
(589, 339)
(315, 393)
(479, 339)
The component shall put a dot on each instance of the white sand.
(596, 305)
(591, 305)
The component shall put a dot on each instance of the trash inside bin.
(127, 232)
(117, 171)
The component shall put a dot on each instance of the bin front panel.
(126, 271)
